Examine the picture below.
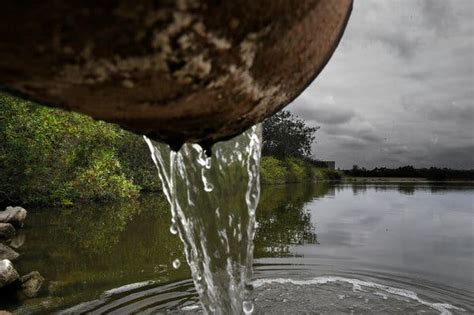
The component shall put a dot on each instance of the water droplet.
(176, 263)
(248, 288)
(208, 187)
(173, 229)
(248, 307)
(208, 163)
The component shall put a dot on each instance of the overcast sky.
(399, 89)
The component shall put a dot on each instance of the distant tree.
(286, 135)
(432, 173)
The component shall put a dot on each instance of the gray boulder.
(7, 253)
(7, 230)
(17, 241)
(31, 283)
(8, 274)
(13, 215)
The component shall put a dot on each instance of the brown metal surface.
(184, 70)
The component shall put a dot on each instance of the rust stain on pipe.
(187, 70)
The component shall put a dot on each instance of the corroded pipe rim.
(203, 72)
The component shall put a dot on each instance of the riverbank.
(56, 158)
(408, 180)
(274, 171)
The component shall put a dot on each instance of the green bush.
(137, 163)
(293, 170)
(103, 179)
(296, 171)
(57, 157)
(328, 174)
(272, 171)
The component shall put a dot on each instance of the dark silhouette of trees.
(433, 173)
(285, 135)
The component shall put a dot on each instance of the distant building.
(330, 164)
(325, 164)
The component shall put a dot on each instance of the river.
(325, 247)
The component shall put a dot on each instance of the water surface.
(405, 248)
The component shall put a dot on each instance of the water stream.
(213, 202)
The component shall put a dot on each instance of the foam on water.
(127, 287)
(323, 294)
(359, 285)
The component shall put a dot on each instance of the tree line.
(433, 173)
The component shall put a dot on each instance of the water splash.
(361, 286)
(213, 202)
(176, 263)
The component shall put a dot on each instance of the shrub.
(103, 179)
(292, 170)
(329, 174)
(272, 171)
(136, 162)
(295, 171)
(58, 157)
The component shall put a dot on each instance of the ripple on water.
(331, 294)
(324, 295)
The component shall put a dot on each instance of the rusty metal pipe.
(186, 70)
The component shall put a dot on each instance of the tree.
(285, 135)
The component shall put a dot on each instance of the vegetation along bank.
(50, 156)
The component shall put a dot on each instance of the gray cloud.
(439, 15)
(325, 114)
(400, 87)
(454, 157)
(361, 133)
(406, 46)
(442, 106)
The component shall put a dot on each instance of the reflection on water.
(414, 236)
(283, 220)
(85, 250)
(420, 230)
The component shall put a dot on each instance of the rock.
(8, 274)
(192, 70)
(13, 215)
(7, 253)
(17, 241)
(5, 313)
(31, 283)
(7, 230)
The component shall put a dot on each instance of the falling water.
(213, 202)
